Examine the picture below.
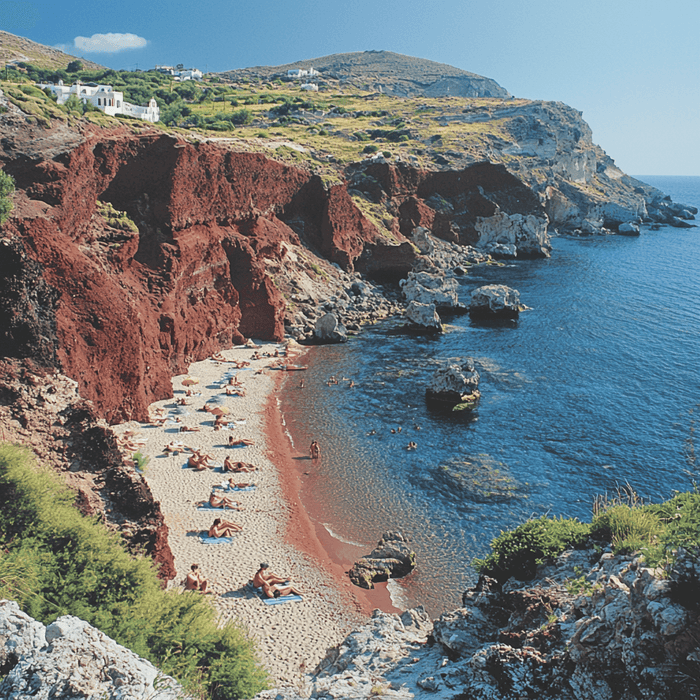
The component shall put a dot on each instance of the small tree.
(74, 67)
(7, 187)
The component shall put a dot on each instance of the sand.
(292, 637)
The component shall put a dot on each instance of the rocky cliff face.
(587, 627)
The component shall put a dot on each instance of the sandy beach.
(291, 637)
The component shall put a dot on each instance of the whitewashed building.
(104, 98)
(181, 73)
(302, 73)
(312, 87)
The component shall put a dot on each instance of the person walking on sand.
(195, 580)
(315, 450)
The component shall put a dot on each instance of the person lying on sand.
(231, 485)
(270, 583)
(182, 401)
(237, 467)
(188, 429)
(199, 461)
(219, 357)
(223, 528)
(176, 447)
(195, 580)
(232, 391)
(219, 500)
(241, 441)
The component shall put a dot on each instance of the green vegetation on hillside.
(7, 187)
(659, 532)
(55, 562)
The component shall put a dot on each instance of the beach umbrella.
(190, 381)
(220, 411)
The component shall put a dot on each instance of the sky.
(631, 66)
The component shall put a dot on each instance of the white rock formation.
(454, 382)
(427, 288)
(423, 315)
(329, 330)
(527, 233)
(495, 300)
(72, 659)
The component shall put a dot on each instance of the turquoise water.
(595, 386)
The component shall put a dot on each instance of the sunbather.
(240, 441)
(195, 580)
(218, 500)
(237, 467)
(271, 584)
(223, 528)
(199, 461)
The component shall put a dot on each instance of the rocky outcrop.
(70, 658)
(589, 626)
(455, 385)
(423, 317)
(502, 234)
(329, 331)
(391, 558)
(43, 410)
(427, 288)
(495, 301)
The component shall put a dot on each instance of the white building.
(312, 87)
(302, 73)
(181, 73)
(104, 98)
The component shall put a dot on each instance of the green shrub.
(518, 552)
(59, 562)
(627, 529)
(7, 187)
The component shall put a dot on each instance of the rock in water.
(72, 659)
(454, 385)
(328, 330)
(495, 301)
(427, 288)
(423, 316)
(392, 558)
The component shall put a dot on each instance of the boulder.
(423, 316)
(495, 301)
(628, 229)
(428, 288)
(72, 659)
(391, 558)
(328, 330)
(423, 240)
(455, 384)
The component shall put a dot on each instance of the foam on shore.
(292, 637)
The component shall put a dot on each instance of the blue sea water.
(594, 387)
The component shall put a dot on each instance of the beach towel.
(292, 598)
(206, 506)
(216, 540)
(226, 487)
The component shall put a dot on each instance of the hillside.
(385, 72)
(17, 49)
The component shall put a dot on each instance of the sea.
(595, 388)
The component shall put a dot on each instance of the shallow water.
(592, 388)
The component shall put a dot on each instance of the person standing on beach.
(315, 450)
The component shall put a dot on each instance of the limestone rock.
(454, 384)
(391, 558)
(72, 659)
(328, 330)
(628, 229)
(422, 240)
(495, 300)
(423, 316)
(427, 288)
(528, 233)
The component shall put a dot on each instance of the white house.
(312, 87)
(104, 98)
(181, 73)
(301, 73)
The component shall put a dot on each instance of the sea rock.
(427, 288)
(328, 330)
(454, 384)
(528, 233)
(495, 301)
(423, 316)
(72, 659)
(628, 229)
(391, 558)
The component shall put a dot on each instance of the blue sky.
(631, 66)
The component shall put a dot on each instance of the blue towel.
(227, 488)
(216, 540)
(282, 599)
(206, 506)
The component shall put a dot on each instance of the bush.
(58, 562)
(627, 529)
(518, 552)
(7, 187)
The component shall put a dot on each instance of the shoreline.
(293, 637)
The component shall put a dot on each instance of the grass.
(57, 562)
